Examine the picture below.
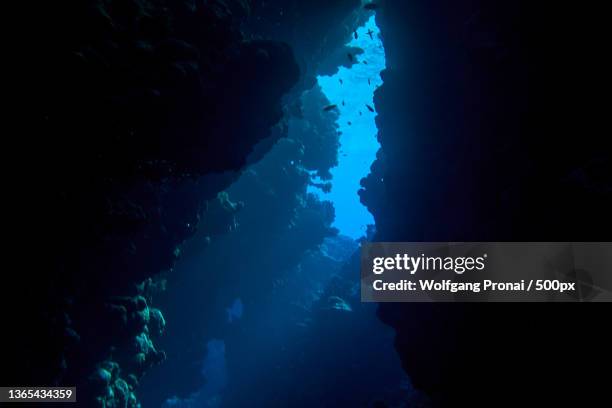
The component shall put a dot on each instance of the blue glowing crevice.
(352, 90)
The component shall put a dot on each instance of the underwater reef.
(276, 223)
(136, 102)
(163, 137)
(317, 31)
(141, 114)
(300, 314)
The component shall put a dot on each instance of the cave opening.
(351, 90)
(287, 310)
(187, 182)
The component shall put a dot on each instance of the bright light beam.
(358, 142)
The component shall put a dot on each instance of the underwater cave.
(298, 219)
(193, 181)
(352, 91)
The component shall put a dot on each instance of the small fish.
(371, 109)
(360, 113)
(371, 6)
(337, 303)
(341, 81)
(371, 34)
(369, 82)
(330, 107)
(365, 62)
(355, 34)
(343, 104)
(349, 123)
(350, 57)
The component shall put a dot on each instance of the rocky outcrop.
(114, 380)
(274, 221)
(139, 113)
(317, 31)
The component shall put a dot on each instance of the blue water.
(271, 354)
(214, 372)
(358, 142)
(234, 312)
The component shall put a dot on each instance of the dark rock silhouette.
(486, 110)
(141, 112)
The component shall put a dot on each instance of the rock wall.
(138, 113)
(274, 223)
(490, 130)
(316, 30)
